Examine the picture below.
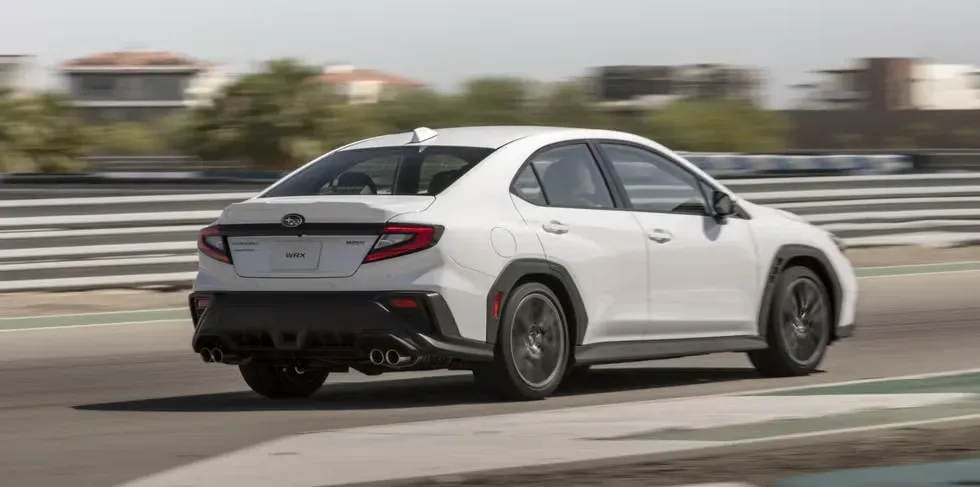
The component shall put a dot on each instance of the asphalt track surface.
(102, 405)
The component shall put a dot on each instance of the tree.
(493, 101)
(127, 139)
(40, 133)
(268, 119)
(849, 141)
(410, 108)
(716, 126)
(569, 104)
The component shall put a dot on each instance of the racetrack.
(98, 406)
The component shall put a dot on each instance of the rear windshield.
(426, 170)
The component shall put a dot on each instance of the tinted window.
(387, 170)
(528, 188)
(654, 183)
(570, 178)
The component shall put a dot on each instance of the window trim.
(610, 185)
(702, 183)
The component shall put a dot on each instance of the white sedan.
(520, 253)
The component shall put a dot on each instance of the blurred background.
(127, 126)
(105, 84)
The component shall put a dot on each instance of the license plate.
(296, 256)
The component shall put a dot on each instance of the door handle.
(556, 227)
(660, 236)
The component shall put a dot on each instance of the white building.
(18, 73)
(364, 85)
(895, 84)
(139, 86)
(946, 87)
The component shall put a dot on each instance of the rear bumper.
(333, 327)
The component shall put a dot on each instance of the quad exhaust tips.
(391, 358)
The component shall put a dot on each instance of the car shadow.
(425, 392)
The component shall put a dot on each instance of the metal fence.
(127, 241)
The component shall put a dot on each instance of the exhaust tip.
(395, 358)
(377, 357)
(217, 355)
(206, 356)
(392, 357)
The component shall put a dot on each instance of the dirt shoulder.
(28, 304)
(759, 465)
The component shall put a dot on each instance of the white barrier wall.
(77, 243)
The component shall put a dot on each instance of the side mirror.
(723, 204)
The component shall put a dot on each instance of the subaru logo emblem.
(292, 220)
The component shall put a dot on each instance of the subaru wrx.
(523, 254)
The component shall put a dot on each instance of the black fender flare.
(783, 256)
(520, 268)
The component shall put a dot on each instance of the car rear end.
(337, 266)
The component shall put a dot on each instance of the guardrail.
(127, 241)
(721, 165)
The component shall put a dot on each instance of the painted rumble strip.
(565, 436)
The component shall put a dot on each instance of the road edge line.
(96, 313)
(94, 325)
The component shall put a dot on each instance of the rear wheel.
(800, 323)
(281, 382)
(532, 346)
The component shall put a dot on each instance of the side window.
(570, 178)
(527, 188)
(654, 183)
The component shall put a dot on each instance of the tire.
(281, 383)
(530, 358)
(788, 326)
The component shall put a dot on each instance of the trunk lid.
(334, 236)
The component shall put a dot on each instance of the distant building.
(364, 85)
(18, 73)
(883, 84)
(652, 86)
(139, 85)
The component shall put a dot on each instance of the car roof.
(489, 137)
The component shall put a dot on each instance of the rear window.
(425, 170)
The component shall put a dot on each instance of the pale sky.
(443, 42)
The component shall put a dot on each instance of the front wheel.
(281, 382)
(532, 346)
(800, 324)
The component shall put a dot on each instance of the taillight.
(399, 240)
(213, 244)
